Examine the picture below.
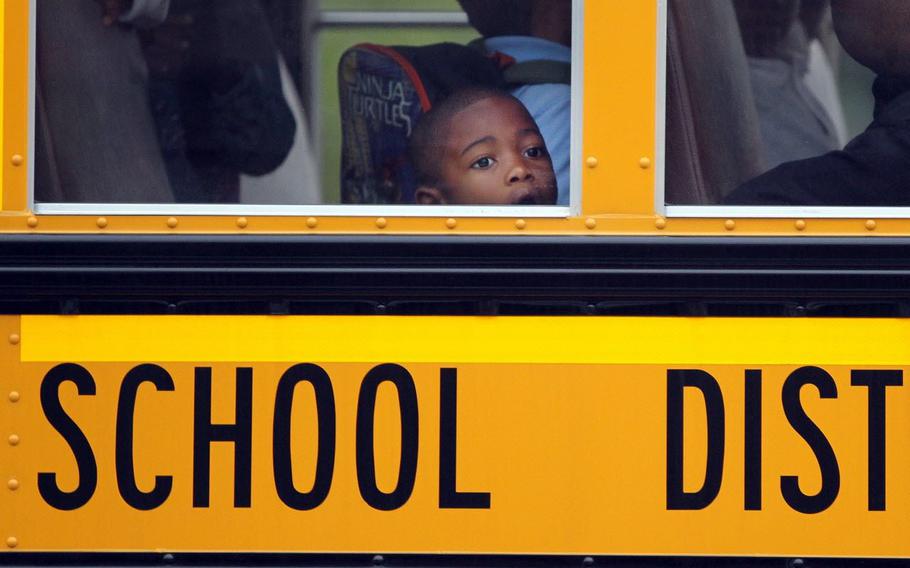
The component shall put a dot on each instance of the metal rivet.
(311, 222)
(800, 225)
(871, 225)
(644, 163)
(14, 396)
(101, 222)
(451, 223)
(660, 223)
(13, 439)
(520, 224)
(378, 560)
(13, 484)
(168, 558)
(381, 222)
(32, 222)
(172, 222)
(729, 224)
(588, 561)
(591, 162)
(242, 222)
(590, 223)
(14, 338)
(17, 160)
(12, 542)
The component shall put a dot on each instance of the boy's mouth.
(535, 195)
(527, 199)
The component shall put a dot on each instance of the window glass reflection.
(302, 102)
(769, 102)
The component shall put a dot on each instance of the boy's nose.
(520, 173)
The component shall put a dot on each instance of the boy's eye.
(483, 163)
(536, 152)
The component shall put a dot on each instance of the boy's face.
(494, 155)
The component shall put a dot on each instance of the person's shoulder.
(892, 100)
(529, 48)
(896, 113)
(547, 99)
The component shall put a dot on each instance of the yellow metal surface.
(606, 225)
(620, 93)
(3, 40)
(562, 422)
(14, 118)
(465, 339)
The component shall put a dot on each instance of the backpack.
(384, 90)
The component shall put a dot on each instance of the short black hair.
(428, 139)
(493, 18)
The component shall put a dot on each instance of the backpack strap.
(538, 72)
(535, 72)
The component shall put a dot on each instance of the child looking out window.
(481, 147)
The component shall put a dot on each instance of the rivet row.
(451, 223)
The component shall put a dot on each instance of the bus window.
(771, 104)
(297, 102)
(162, 102)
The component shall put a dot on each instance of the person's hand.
(111, 10)
(168, 46)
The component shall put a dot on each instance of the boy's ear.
(426, 195)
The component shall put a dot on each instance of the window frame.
(328, 210)
(722, 211)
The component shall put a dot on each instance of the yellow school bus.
(633, 377)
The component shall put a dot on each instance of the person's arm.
(225, 67)
(871, 171)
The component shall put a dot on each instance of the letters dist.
(875, 381)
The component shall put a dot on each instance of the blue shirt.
(549, 104)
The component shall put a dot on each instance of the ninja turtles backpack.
(384, 90)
